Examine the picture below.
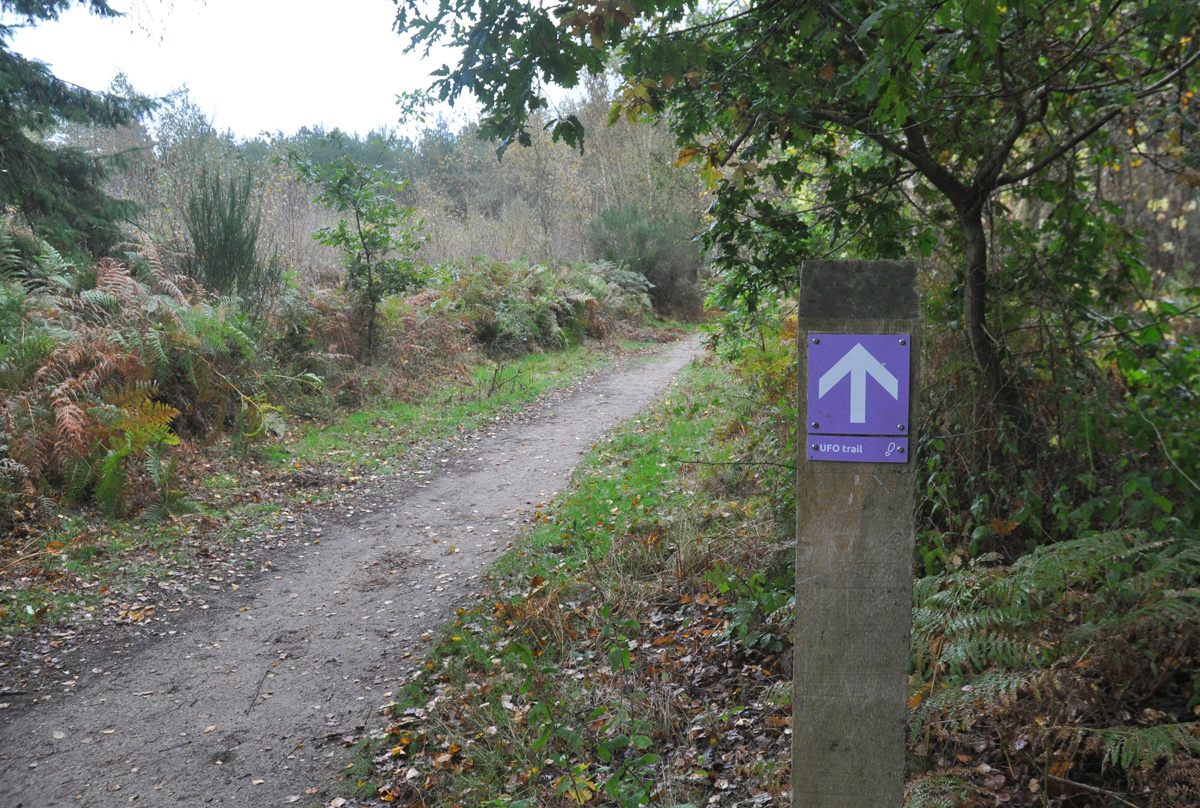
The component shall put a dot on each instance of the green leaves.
(619, 658)
(379, 238)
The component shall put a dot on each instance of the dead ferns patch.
(1072, 672)
(101, 364)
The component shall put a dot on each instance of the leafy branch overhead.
(885, 112)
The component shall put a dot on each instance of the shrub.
(658, 246)
(379, 239)
(223, 222)
(1109, 368)
(516, 308)
(104, 366)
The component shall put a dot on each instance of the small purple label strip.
(857, 449)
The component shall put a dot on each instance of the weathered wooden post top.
(858, 354)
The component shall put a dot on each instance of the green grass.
(528, 728)
(379, 438)
(627, 484)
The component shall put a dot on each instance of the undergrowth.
(1075, 671)
(635, 648)
(124, 384)
(623, 658)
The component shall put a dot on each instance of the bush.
(223, 221)
(517, 308)
(1109, 367)
(103, 366)
(659, 247)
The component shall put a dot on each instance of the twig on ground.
(1096, 789)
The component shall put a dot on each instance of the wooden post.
(859, 348)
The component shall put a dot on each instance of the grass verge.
(85, 567)
(622, 648)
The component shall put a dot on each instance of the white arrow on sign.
(858, 362)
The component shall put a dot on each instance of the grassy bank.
(233, 506)
(621, 648)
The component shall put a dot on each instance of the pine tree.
(58, 190)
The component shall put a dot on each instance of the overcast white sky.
(252, 65)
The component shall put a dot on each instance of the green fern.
(1140, 748)
(78, 477)
(936, 791)
(111, 476)
(133, 411)
(163, 473)
(99, 298)
(162, 363)
(135, 423)
(273, 422)
(54, 270)
(1053, 643)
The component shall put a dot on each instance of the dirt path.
(254, 700)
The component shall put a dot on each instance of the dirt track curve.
(249, 701)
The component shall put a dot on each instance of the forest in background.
(251, 272)
(622, 200)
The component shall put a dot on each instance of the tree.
(379, 240)
(874, 111)
(58, 190)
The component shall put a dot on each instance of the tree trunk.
(986, 344)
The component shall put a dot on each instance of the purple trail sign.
(858, 391)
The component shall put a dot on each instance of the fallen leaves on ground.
(580, 731)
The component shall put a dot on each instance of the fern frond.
(162, 363)
(1170, 610)
(155, 513)
(963, 705)
(273, 422)
(1139, 748)
(111, 476)
(79, 474)
(10, 257)
(130, 396)
(165, 282)
(29, 426)
(936, 791)
(70, 430)
(1177, 785)
(158, 466)
(15, 477)
(56, 270)
(162, 472)
(99, 299)
(114, 278)
(133, 420)
(964, 653)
